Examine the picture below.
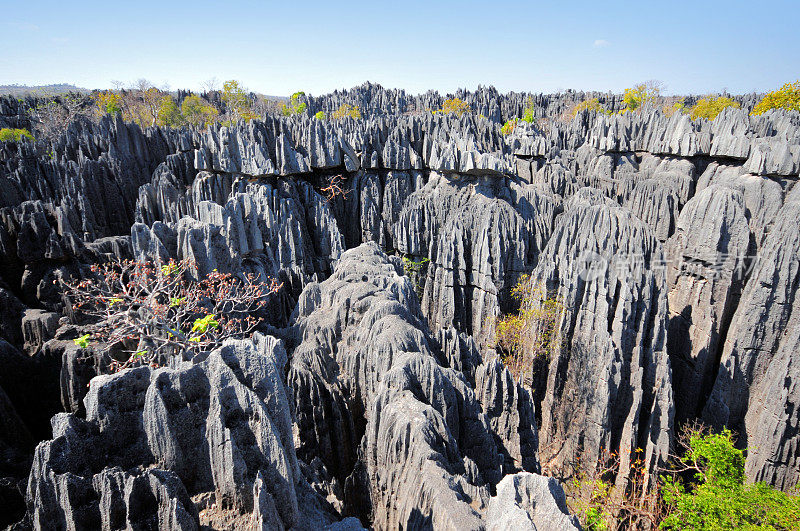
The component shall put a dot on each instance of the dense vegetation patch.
(710, 106)
(787, 97)
(8, 134)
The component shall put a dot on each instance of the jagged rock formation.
(609, 387)
(693, 225)
(706, 261)
(153, 438)
(424, 447)
(529, 501)
(756, 388)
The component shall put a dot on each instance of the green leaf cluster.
(83, 341)
(168, 112)
(295, 105)
(237, 101)
(508, 127)
(197, 112)
(203, 324)
(720, 499)
(640, 94)
(109, 103)
(8, 134)
(527, 113)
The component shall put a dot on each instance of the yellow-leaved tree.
(638, 95)
(346, 110)
(710, 106)
(455, 106)
(592, 104)
(787, 97)
(533, 332)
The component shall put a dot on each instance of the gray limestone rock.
(609, 387)
(755, 392)
(532, 502)
(706, 267)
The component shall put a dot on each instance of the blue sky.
(279, 47)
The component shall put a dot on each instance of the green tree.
(14, 135)
(527, 113)
(787, 97)
(718, 497)
(531, 333)
(109, 102)
(237, 102)
(508, 127)
(295, 106)
(640, 94)
(321, 115)
(709, 107)
(198, 112)
(168, 112)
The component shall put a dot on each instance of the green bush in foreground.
(14, 135)
(787, 97)
(709, 107)
(719, 498)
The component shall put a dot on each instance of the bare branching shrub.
(152, 312)
(52, 115)
(531, 333)
(334, 187)
(602, 504)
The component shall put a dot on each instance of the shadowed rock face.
(705, 275)
(401, 412)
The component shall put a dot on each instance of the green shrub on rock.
(719, 497)
(8, 134)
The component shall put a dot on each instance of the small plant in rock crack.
(154, 311)
(531, 333)
(415, 270)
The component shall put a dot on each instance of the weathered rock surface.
(529, 501)
(153, 438)
(609, 387)
(429, 450)
(400, 416)
(756, 390)
(706, 268)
